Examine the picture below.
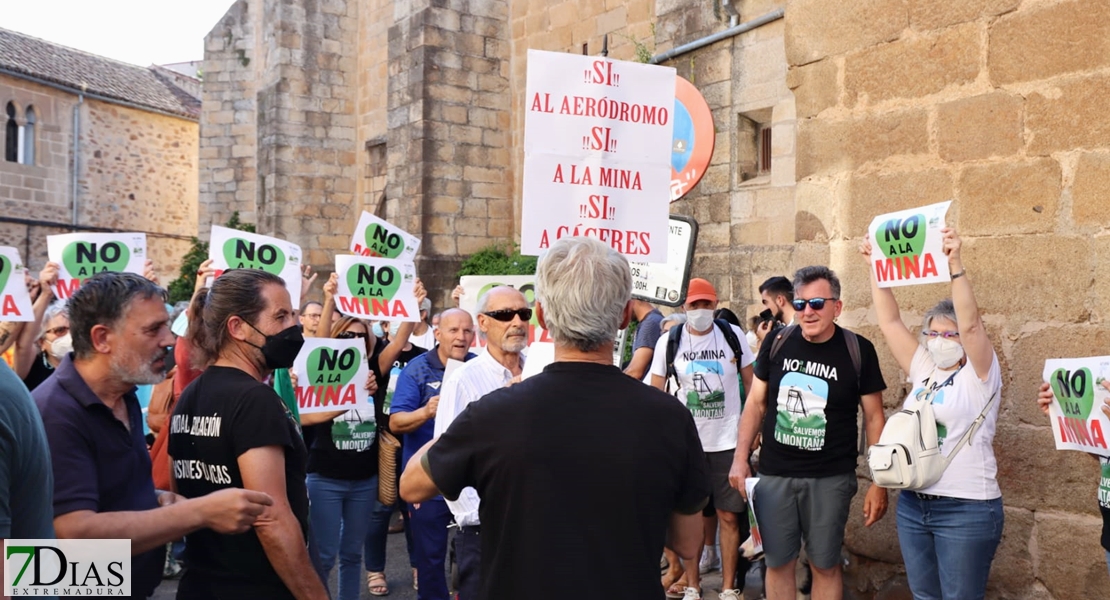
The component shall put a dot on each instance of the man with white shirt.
(707, 360)
(503, 317)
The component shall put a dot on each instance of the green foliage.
(181, 289)
(629, 337)
(498, 259)
(643, 52)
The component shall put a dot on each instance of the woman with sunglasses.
(950, 530)
(343, 463)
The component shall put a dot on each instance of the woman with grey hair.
(53, 342)
(950, 530)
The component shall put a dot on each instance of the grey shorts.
(791, 510)
(725, 497)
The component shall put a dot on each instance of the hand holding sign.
(15, 301)
(911, 248)
(82, 255)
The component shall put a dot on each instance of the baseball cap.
(426, 305)
(700, 289)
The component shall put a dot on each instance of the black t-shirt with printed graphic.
(221, 415)
(1104, 500)
(813, 395)
(347, 446)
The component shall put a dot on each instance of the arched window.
(11, 135)
(27, 156)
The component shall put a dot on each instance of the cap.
(700, 289)
(426, 304)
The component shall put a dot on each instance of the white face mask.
(700, 319)
(946, 353)
(62, 346)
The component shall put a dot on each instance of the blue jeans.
(376, 536)
(468, 554)
(948, 545)
(429, 535)
(1108, 559)
(338, 513)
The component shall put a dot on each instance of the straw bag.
(389, 452)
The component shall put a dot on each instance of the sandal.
(376, 584)
(678, 588)
(415, 581)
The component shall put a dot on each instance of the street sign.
(694, 136)
(665, 283)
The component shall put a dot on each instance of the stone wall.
(999, 105)
(137, 171)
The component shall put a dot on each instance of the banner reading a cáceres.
(331, 374)
(81, 255)
(376, 288)
(906, 246)
(476, 285)
(15, 301)
(381, 239)
(234, 249)
(1078, 422)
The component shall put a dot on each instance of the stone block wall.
(999, 105)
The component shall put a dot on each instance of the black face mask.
(280, 350)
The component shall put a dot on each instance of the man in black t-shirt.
(804, 400)
(549, 455)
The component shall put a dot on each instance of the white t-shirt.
(972, 474)
(709, 384)
(426, 341)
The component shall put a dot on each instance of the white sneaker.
(710, 561)
(731, 595)
(691, 594)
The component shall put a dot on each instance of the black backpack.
(674, 336)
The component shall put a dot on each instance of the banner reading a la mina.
(331, 374)
(234, 249)
(15, 301)
(1078, 422)
(907, 246)
(597, 153)
(82, 255)
(376, 288)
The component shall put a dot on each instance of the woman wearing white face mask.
(949, 531)
(54, 343)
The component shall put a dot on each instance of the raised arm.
(973, 335)
(899, 339)
(331, 287)
(26, 345)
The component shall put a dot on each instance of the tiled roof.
(102, 76)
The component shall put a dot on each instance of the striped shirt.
(469, 383)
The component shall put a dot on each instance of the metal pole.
(716, 37)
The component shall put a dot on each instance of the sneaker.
(691, 594)
(710, 561)
(731, 595)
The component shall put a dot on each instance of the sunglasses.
(507, 314)
(347, 335)
(814, 303)
(944, 334)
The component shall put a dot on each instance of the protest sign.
(380, 239)
(331, 374)
(753, 525)
(597, 153)
(906, 246)
(234, 249)
(82, 255)
(15, 301)
(665, 282)
(476, 285)
(539, 356)
(376, 288)
(1078, 422)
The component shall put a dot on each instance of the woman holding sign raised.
(949, 530)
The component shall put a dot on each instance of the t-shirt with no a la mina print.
(813, 395)
(708, 382)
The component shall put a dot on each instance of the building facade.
(828, 114)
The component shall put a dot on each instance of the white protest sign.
(380, 239)
(1078, 422)
(906, 246)
(476, 285)
(756, 541)
(331, 374)
(597, 153)
(376, 288)
(82, 255)
(665, 282)
(15, 301)
(539, 356)
(234, 249)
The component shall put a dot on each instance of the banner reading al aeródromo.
(331, 374)
(906, 246)
(15, 301)
(376, 288)
(234, 249)
(82, 255)
(381, 239)
(597, 153)
(1078, 422)
(476, 285)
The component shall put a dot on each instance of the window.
(27, 145)
(11, 135)
(376, 165)
(765, 150)
(753, 137)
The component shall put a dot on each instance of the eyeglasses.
(944, 334)
(507, 314)
(58, 331)
(311, 316)
(814, 303)
(347, 335)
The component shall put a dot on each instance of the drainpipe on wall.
(76, 147)
(720, 35)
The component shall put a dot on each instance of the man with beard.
(503, 317)
(776, 294)
(412, 415)
(94, 427)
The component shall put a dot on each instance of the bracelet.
(956, 276)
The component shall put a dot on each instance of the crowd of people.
(596, 473)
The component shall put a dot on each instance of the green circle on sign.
(368, 281)
(85, 259)
(242, 254)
